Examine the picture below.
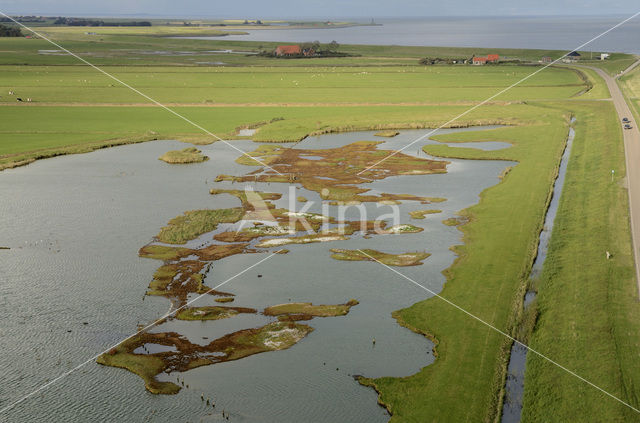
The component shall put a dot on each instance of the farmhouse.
(490, 58)
(288, 50)
(546, 59)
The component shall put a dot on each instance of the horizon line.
(307, 17)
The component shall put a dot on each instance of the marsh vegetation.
(188, 155)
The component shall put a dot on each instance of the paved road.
(629, 69)
(632, 153)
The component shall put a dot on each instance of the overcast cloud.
(320, 9)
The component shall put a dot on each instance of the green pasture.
(589, 317)
(615, 64)
(630, 84)
(26, 131)
(130, 46)
(487, 279)
(81, 84)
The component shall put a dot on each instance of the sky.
(318, 9)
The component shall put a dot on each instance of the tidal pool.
(72, 285)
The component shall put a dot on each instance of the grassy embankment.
(630, 84)
(597, 87)
(589, 315)
(487, 279)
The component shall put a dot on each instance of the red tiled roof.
(493, 57)
(479, 59)
(288, 50)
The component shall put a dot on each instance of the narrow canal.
(514, 386)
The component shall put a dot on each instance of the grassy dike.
(589, 314)
(488, 278)
(630, 85)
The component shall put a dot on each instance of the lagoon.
(72, 285)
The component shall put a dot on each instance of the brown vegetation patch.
(187, 355)
(335, 176)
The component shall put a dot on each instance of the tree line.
(10, 31)
(94, 22)
(24, 19)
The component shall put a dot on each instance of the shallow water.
(518, 32)
(150, 348)
(75, 224)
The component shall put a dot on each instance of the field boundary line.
(154, 101)
(499, 93)
(473, 316)
(150, 325)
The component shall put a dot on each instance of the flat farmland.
(284, 85)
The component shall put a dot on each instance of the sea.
(539, 32)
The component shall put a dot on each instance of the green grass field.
(224, 98)
(372, 84)
(284, 85)
(630, 84)
(598, 88)
(487, 279)
(588, 305)
(615, 64)
(52, 129)
(589, 315)
(130, 46)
